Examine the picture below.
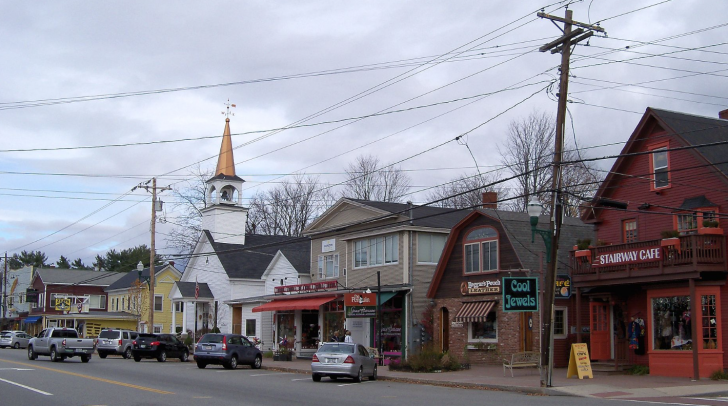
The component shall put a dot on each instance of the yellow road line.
(93, 378)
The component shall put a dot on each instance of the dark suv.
(159, 346)
(228, 350)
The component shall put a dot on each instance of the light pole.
(534, 209)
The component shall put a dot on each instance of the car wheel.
(103, 354)
(16, 345)
(232, 364)
(316, 377)
(54, 355)
(258, 362)
(374, 374)
(185, 356)
(357, 378)
(127, 353)
(31, 354)
(85, 358)
(333, 378)
(162, 357)
(137, 359)
(201, 365)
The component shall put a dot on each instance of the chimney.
(723, 114)
(171, 263)
(490, 200)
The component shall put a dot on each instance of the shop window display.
(309, 330)
(286, 330)
(486, 331)
(709, 322)
(334, 321)
(671, 323)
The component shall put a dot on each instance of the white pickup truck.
(59, 344)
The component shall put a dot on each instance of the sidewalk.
(527, 381)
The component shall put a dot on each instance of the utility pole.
(563, 45)
(155, 207)
(5, 288)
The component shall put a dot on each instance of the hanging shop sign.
(62, 305)
(520, 294)
(632, 256)
(480, 287)
(360, 305)
(328, 245)
(563, 287)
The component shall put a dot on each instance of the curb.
(447, 384)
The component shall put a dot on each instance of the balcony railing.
(699, 252)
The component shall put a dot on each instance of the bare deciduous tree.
(138, 301)
(289, 207)
(366, 181)
(464, 192)
(190, 199)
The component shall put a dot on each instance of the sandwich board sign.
(579, 364)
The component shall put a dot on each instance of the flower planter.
(673, 243)
(710, 231)
(583, 254)
(283, 357)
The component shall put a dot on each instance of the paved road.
(115, 381)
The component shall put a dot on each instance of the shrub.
(638, 370)
(583, 244)
(670, 234)
(427, 360)
(719, 375)
(268, 354)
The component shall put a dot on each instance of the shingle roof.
(698, 130)
(423, 216)
(696, 203)
(187, 290)
(251, 260)
(128, 279)
(61, 276)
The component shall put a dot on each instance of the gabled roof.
(59, 276)
(423, 216)
(690, 129)
(249, 261)
(128, 279)
(518, 231)
(187, 290)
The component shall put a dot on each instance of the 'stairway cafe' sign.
(360, 305)
(631, 256)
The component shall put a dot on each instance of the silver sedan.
(343, 360)
(15, 339)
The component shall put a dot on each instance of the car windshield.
(212, 338)
(337, 348)
(109, 334)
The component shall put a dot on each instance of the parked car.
(159, 346)
(15, 339)
(228, 350)
(115, 342)
(343, 360)
(59, 344)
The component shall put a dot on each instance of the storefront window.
(309, 329)
(671, 323)
(286, 329)
(484, 331)
(709, 322)
(334, 320)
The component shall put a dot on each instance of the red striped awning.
(474, 311)
(311, 303)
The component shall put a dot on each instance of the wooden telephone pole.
(563, 45)
(155, 207)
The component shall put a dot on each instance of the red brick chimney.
(490, 200)
(171, 263)
(723, 114)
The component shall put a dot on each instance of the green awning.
(383, 297)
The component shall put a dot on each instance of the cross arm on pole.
(563, 20)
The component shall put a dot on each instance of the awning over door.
(474, 311)
(384, 297)
(311, 303)
(32, 319)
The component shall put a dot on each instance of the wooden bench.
(526, 359)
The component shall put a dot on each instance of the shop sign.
(632, 256)
(63, 305)
(520, 294)
(360, 305)
(563, 287)
(456, 324)
(306, 287)
(579, 364)
(328, 245)
(31, 295)
(480, 288)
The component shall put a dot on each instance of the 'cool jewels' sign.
(520, 294)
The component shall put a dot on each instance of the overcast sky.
(280, 62)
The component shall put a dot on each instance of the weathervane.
(228, 113)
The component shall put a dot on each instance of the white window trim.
(369, 253)
(178, 307)
(483, 340)
(160, 326)
(566, 322)
(155, 304)
(322, 269)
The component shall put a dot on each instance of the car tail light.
(120, 342)
(96, 341)
(315, 358)
(134, 342)
(224, 343)
(154, 343)
(349, 360)
(63, 343)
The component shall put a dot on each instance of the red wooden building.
(654, 286)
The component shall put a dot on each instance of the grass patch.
(638, 370)
(268, 354)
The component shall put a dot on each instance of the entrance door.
(600, 338)
(526, 331)
(238, 320)
(445, 323)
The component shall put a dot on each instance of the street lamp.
(534, 208)
(140, 268)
